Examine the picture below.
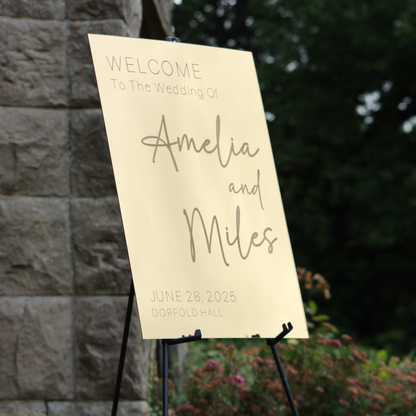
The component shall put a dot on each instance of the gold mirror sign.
(203, 218)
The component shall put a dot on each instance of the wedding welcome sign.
(203, 218)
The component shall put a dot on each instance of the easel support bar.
(272, 343)
(123, 350)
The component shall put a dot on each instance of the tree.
(338, 80)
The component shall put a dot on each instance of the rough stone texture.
(23, 409)
(35, 257)
(39, 9)
(36, 348)
(40, 408)
(128, 10)
(91, 170)
(99, 323)
(84, 91)
(34, 152)
(125, 408)
(33, 63)
(100, 253)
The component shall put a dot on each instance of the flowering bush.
(328, 375)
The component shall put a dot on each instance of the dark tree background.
(338, 79)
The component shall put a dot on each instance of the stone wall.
(64, 271)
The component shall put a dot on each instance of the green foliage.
(338, 85)
(327, 376)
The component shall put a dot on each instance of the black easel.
(165, 345)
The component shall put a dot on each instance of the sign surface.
(202, 213)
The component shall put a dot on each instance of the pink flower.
(186, 408)
(411, 379)
(239, 379)
(335, 343)
(212, 365)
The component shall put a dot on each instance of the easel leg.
(123, 350)
(284, 380)
(272, 343)
(165, 343)
(165, 386)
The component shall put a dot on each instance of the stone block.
(33, 69)
(24, 408)
(100, 253)
(34, 152)
(84, 91)
(39, 9)
(99, 325)
(36, 359)
(125, 408)
(128, 10)
(35, 256)
(91, 170)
